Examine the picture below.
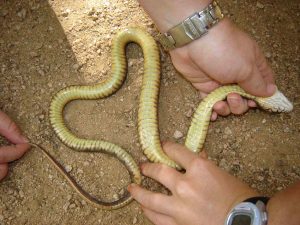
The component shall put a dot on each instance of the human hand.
(10, 130)
(204, 194)
(225, 55)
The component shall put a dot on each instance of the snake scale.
(147, 113)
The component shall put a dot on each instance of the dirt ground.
(48, 45)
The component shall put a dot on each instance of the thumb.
(256, 85)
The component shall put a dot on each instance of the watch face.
(242, 220)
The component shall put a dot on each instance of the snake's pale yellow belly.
(147, 114)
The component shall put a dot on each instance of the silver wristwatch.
(250, 212)
(192, 27)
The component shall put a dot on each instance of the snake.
(148, 130)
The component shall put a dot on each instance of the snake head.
(276, 103)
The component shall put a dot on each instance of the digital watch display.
(250, 212)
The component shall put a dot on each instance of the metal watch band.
(192, 27)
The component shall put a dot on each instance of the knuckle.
(182, 187)
(160, 169)
(154, 200)
(247, 71)
(197, 163)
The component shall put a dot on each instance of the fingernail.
(271, 88)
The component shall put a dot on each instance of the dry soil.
(48, 45)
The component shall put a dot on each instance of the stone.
(260, 5)
(177, 134)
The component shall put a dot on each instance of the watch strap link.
(192, 27)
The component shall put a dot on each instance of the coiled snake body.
(147, 114)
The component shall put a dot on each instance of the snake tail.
(197, 132)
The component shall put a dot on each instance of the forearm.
(284, 207)
(167, 13)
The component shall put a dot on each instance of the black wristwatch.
(252, 211)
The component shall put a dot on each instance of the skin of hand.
(204, 194)
(11, 131)
(225, 55)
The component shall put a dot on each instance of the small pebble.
(177, 134)
(227, 131)
(69, 168)
(116, 196)
(268, 55)
(260, 5)
(189, 113)
(134, 221)
(66, 13)
(260, 178)
(33, 54)
(76, 66)
(21, 193)
(22, 13)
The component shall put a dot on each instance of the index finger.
(179, 153)
(10, 130)
(155, 201)
(11, 153)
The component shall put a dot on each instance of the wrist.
(251, 211)
(168, 13)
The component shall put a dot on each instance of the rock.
(66, 206)
(92, 11)
(66, 13)
(34, 54)
(260, 5)
(268, 55)
(134, 221)
(177, 134)
(22, 14)
(76, 66)
(260, 178)
(68, 168)
(21, 194)
(115, 196)
(189, 113)
(227, 131)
